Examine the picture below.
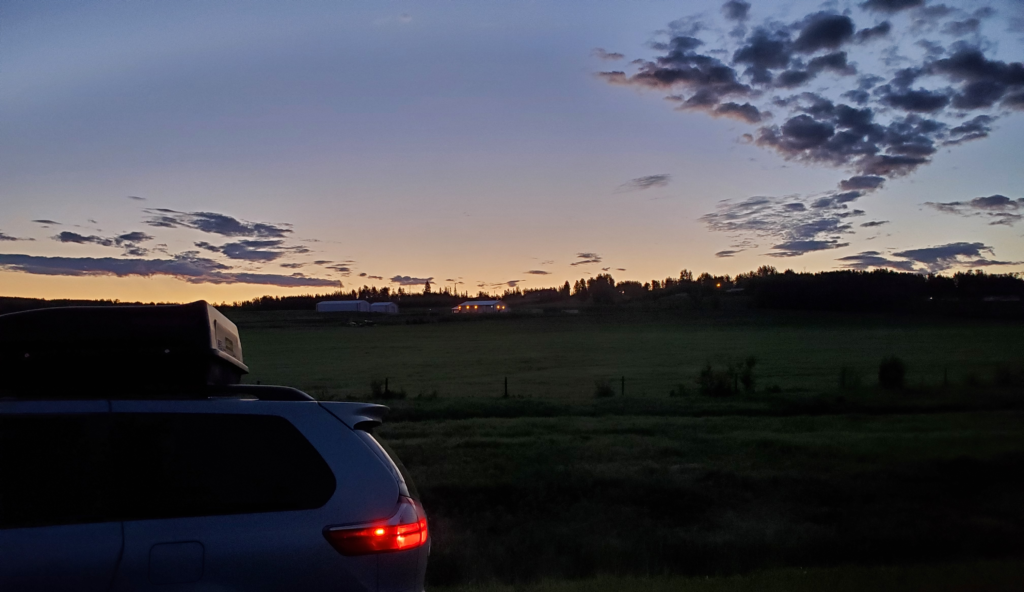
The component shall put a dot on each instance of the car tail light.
(406, 529)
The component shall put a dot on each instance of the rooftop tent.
(343, 306)
(99, 349)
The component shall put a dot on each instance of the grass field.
(798, 487)
(561, 358)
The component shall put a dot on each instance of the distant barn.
(343, 306)
(384, 308)
(481, 307)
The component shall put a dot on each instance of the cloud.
(795, 248)
(537, 272)
(891, 5)
(607, 55)
(375, 277)
(9, 238)
(586, 258)
(214, 223)
(874, 223)
(736, 10)
(943, 257)
(863, 183)
(186, 267)
(823, 30)
(880, 30)
(727, 253)
(50, 222)
(641, 183)
(874, 260)
(998, 209)
(404, 280)
(292, 265)
(127, 241)
(253, 250)
(136, 198)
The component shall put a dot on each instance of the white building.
(343, 306)
(384, 308)
(480, 306)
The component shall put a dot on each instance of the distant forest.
(967, 292)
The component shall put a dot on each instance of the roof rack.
(118, 351)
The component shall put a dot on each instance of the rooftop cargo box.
(93, 350)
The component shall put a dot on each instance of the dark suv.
(191, 482)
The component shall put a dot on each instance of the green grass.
(561, 358)
(555, 489)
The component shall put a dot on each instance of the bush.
(603, 389)
(891, 373)
(722, 383)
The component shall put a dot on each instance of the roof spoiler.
(358, 416)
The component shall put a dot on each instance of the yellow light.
(718, 285)
(379, 532)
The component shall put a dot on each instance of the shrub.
(891, 373)
(603, 389)
(725, 382)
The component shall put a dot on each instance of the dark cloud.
(765, 49)
(293, 265)
(9, 238)
(880, 30)
(874, 223)
(537, 272)
(586, 258)
(641, 183)
(998, 209)
(800, 247)
(919, 101)
(344, 270)
(973, 129)
(44, 221)
(736, 10)
(607, 55)
(136, 198)
(186, 267)
(823, 31)
(375, 277)
(961, 28)
(213, 223)
(253, 250)
(404, 280)
(862, 182)
(729, 253)
(891, 5)
(127, 241)
(745, 112)
(874, 260)
(943, 257)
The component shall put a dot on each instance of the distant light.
(718, 285)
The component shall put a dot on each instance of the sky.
(224, 150)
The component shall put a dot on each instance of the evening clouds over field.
(222, 150)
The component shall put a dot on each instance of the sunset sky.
(174, 151)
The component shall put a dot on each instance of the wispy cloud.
(128, 241)
(928, 259)
(9, 238)
(999, 210)
(607, 55)
(214, 223)
(641, 183)
(586, 258)
(537, 272)
(47, 222)
(186, 267)
(405, 280)
(136, 198)
(253, 250)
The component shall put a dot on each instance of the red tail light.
(406, 529)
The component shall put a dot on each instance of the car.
(133, 459)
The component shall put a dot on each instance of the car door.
(231, 495)
(57, 530)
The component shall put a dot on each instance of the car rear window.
(133, 466)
